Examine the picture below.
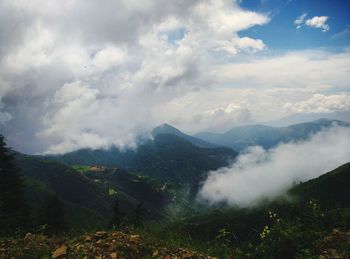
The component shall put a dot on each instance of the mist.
(258, 174)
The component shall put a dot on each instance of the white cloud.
(260, 174)
(85, 117)
(245, 44)
(109, 57)
(319, 70)
(97, 72)
(37, 50)
(318, 22)
(300, 20)
(320, 103)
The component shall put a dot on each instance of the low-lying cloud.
(259, 173)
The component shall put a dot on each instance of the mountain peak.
(166, 125)
(166, 129)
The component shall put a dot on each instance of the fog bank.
(260, 173)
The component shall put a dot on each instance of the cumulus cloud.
(94, 73)
(319, 22)
(320, 103)
(259, 173)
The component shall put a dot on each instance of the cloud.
(320, 103)
(245, 44)
(95, 73)
(319, 22)
(4, 116)
(92, 74)
(300, 20)
(86, 117)
(317, 70)
(259, 173)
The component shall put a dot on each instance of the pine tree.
(13, 209)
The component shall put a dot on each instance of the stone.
(60, 252)
(101, 234)
(135, 238)
(28, 237)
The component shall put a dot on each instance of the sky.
(83, 73)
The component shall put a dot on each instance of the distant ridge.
(239, 138)
(307, 117)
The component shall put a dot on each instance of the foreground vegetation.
(310, 233)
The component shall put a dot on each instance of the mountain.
(168, 129)
(167, 157)
(242, 137)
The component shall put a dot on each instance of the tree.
(117, 218)
(13, 208)
(54, 216)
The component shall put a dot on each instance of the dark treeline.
(14, 214)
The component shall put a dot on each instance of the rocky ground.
(98, 245)
(336, 245)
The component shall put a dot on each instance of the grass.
(81, 168)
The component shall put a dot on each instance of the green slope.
(88, 194)
(331, 189)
